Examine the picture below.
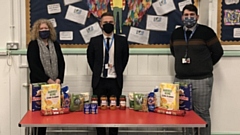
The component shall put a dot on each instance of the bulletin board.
(36, 9)
(229, 22)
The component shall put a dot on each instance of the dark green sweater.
(204, 51)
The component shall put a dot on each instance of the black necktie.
(105, 71)
(188, 33)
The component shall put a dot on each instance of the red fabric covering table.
(112, 118)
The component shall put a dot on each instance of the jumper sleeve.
(34, 62)
(214, 46)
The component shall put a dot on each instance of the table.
(113, 118)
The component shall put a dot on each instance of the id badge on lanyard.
(186, 59)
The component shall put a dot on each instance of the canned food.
(94, 108)
(87, 108)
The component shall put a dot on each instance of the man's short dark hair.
(107, 14)
(190, 7)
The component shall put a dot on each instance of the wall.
(142, 74)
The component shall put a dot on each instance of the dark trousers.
(108, 87)
(102, 131)
(40, 130)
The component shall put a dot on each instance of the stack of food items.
(104, 103)
(145, 102)
(174, 98)
(91, 108)
(51, 99)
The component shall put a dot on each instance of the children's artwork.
(97, 7)
(76, 14)
(138, 35)
(158, 23)
(68, 2)
(75, 20)
(137, 9)
(91, 31)
(229, 22)
(236, 32)
(163, 7)
(182, 4)
(117, 6)
(54, 8)
(232, 17)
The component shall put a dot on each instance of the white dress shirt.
(111, 70)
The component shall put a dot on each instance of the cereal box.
(50, 97)
(169, 96)
(35, 96)
(185, 96)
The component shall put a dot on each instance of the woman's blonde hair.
(36, 27)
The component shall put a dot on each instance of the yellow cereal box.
(169, 96)
(50, 97)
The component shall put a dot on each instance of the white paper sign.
(162, 7)
(54, 8)
(182, 4)
(229, 2)
(66, 35)
(138, 35)
(67, 2)
(53, 21)
(157, 23)
(236, 32)
(76, 14)
(91, 31)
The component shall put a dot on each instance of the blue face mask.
(189, 22)
(44, 34)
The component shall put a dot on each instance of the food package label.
(50, 97)
(169, 96)
(185, 96)
(35, 96)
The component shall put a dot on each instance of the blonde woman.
(45, 58)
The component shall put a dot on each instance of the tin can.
(94, 108)
(87, 108)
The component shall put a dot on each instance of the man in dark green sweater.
(196, 50)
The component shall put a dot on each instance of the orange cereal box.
(169, 96)
(50, 97)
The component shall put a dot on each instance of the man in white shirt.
(107, 57)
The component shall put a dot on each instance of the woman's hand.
(50, 81)
(58, 81)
